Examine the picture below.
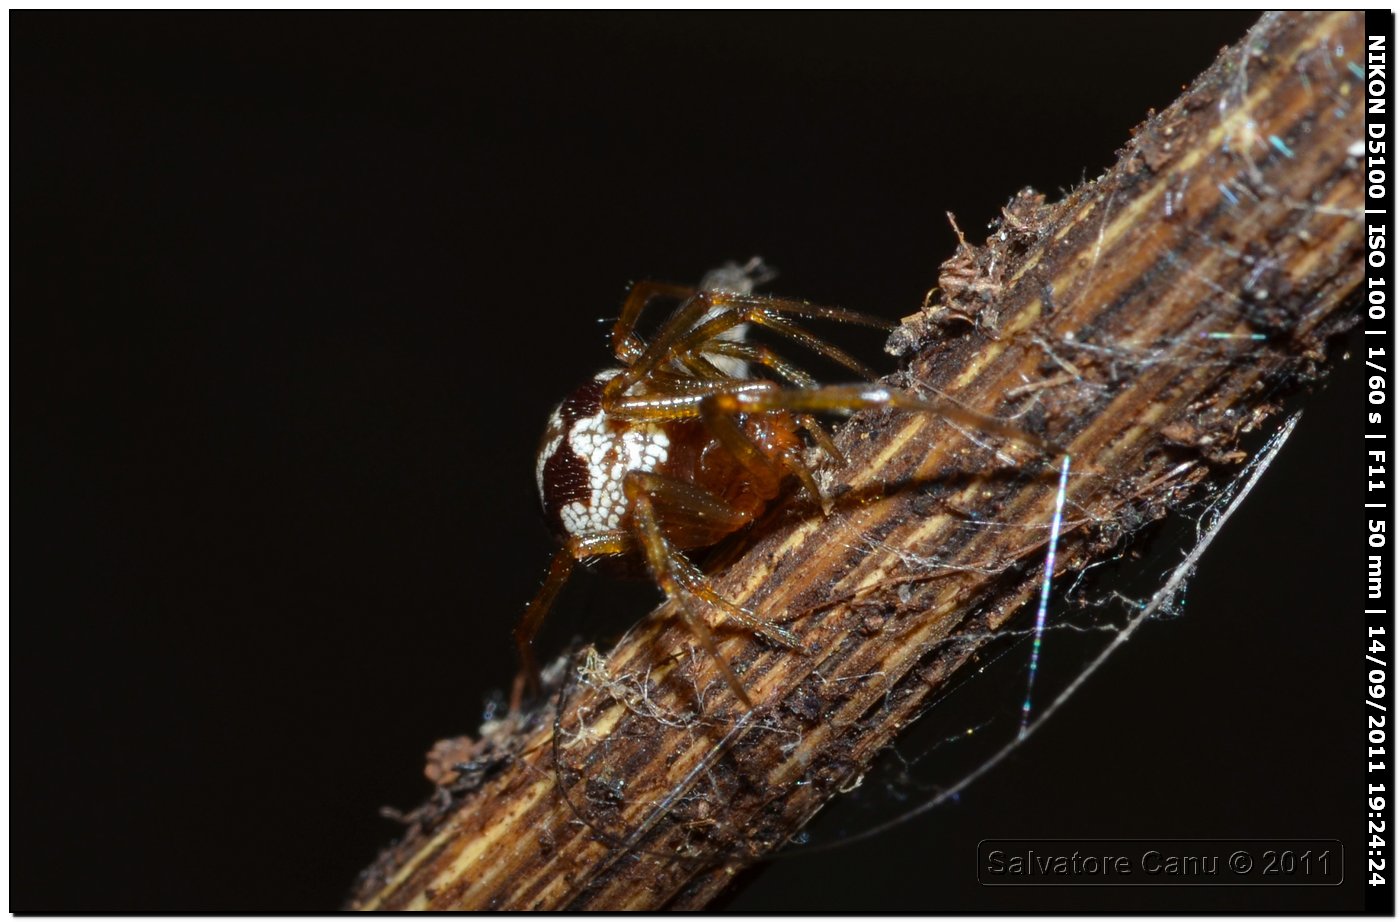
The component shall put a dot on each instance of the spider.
(684, 445)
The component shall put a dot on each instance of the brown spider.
(683, 446)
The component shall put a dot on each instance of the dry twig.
(1144, 323)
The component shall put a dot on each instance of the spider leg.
(700, 378)
(702, 337)
(658, 561)
(838, 398)
(820, 436)
(803, 309)
(686, 322)
(683, 403)
(698, 585)
(661, 349)
(685, 509)
(689, 324)
(527, 680)
(677, 577)
(690, 515)
(760, 355)
(782, 325)
(627, 346)
(702, 368)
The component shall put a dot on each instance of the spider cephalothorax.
(588, 453)
(690, 439)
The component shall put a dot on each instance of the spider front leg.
(719, 410)
(729, 310)
(678, 578)
(627, 346)
(706, 316)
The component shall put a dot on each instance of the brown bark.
(1144, 323)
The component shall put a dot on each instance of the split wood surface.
(1143, 325)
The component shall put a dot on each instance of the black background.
(292, 296)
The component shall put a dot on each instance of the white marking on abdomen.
(609, 454)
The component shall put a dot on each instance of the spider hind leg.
(527, 680)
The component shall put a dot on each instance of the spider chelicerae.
(689, 441)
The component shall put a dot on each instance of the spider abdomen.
(585, 456)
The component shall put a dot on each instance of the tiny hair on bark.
(1143, 324)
